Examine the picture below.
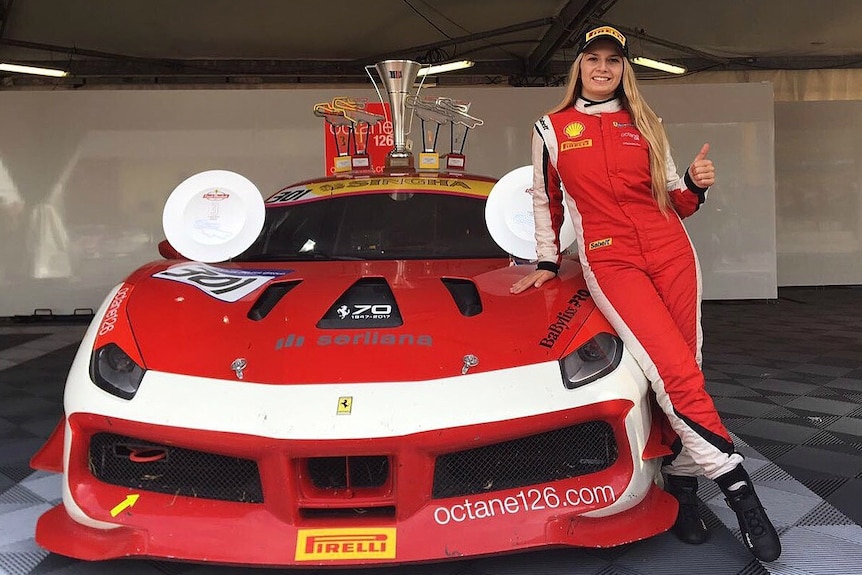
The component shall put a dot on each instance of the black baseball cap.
(606, 32)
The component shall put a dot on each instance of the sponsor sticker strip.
(315, 191)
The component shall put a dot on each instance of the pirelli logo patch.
(347, 543)
(566, 146)
(601, 243)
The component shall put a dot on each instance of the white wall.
(734, 231)
(84, 175)
(819, 191)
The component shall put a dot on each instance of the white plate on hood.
(213, 216)
(509, 215)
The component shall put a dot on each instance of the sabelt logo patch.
(601, 243)
(348, 543)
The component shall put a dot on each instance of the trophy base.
(429, 161)
(360, 162)
(342, 164)
(399, 160)
(455, 161)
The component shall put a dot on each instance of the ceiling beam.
(133, 65)
(571, 18)
(461, 40)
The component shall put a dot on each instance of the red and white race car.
(357, 387)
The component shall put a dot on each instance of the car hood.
(354, 321)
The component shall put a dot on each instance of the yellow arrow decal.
(127, 502)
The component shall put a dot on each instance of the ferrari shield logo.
(345, 405)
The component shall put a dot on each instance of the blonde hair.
(645, 119)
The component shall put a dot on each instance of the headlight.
(113, 370)
(596, 358)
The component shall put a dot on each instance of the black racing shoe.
(689, 526)
(757, 530)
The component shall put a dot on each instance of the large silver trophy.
(397, 78)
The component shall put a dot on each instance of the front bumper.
(525, 486)
(301, 521)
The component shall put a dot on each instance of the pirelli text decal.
(348, 543)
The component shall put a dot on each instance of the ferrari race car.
(356, 387)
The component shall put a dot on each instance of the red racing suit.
(639, 264)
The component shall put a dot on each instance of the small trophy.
(459, 126)
(341, 129)
(431, 119)
(362, 121)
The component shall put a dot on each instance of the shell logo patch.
(601, 243)
(574, 129)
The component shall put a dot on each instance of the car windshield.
(402, 225)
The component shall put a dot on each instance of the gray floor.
(786, 376)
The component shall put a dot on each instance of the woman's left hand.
(701, 171)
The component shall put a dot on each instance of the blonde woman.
(604, 152)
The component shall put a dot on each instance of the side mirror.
(167, 251)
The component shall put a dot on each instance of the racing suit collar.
(587, 107)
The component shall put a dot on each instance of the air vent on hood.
(270, 296)
(369, 303)
(465, 294)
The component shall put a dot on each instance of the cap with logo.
(607, 33)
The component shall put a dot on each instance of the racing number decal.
(224, 284)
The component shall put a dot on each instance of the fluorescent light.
(33, 70)
(658, 65)
(447, 67)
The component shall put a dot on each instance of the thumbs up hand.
(701, 171)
